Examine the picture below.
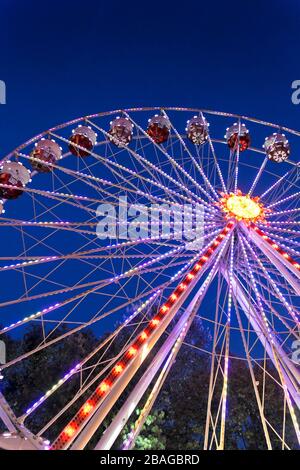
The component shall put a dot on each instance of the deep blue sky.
(62, 59)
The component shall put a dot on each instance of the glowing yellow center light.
(242, 207)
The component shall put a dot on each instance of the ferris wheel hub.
(242, 207)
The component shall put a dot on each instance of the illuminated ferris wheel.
(68, 266)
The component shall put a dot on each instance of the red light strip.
(276, 247)
(87, 408)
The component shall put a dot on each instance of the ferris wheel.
(93, 236)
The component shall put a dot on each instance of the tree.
(152, 435)
(29, 379)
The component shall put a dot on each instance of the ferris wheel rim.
(154, 108)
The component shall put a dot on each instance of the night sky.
(62, 59)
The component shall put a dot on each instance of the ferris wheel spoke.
(214, 197)
(214, 402)
(45, 209)
(49, 259)
(286, 199)
(112, 165)
(277, 291)
(287, 231)
(227, 344)
(258, 175)
(85, 178)
(78, 256)
(176, 209)
(116, 246)
(279, 359)
(282, 223)
(236, 154)
(259, 401)
(257, 295)
(285, 212)
(278, 182)
(98, 283)
(287, 322)
(282, 267)
(61, 259)
(216, 162)
(95, 319)
(147, 164)
(56, 196)
(57, 258)
(173, 162)
(277, 255)
(178, 169)
(262, 299)
(67, 226)
(46, 259)
(285, 303)
(269, 341)
(93, 253)
(271, 300)
(272, 232)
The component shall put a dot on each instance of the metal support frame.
(115, 392)
(290, 372)
(127, 409)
